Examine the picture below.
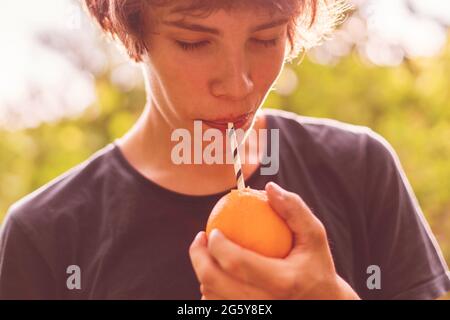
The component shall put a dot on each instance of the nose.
(233, 81)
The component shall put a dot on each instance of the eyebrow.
(200, 28)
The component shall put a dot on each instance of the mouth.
(238, 122)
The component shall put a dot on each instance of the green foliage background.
(409, 105)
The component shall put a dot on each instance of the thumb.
(294, 211)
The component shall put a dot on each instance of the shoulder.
(66, 194)
(316, 128)
(330, 137)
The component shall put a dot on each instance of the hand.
(228, 271)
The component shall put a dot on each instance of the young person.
(127, 223)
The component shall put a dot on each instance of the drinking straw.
(236, 158)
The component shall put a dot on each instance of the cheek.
(178, 83)
(189, 85)
(181, 80)
(266, 69)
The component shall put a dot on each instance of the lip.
(238, 122)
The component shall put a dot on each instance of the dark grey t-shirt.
(130, 237)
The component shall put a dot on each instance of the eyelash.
(197, 45)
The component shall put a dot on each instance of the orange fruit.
(246, 218)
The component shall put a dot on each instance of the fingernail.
(276, 188)
(199, 236)
(216, 233)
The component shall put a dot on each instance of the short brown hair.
(124, 19)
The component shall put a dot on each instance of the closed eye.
(190, 46)
(266, 43)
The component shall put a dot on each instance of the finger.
(196, 253)
(212, 296)
(290, 206)
(209, 295)
(214, 281)
(269, 274)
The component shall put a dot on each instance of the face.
(215, 68)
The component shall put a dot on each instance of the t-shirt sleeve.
(400, 239)
(24, 273)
